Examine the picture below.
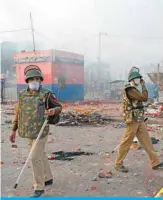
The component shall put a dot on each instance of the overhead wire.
(134, 36)
(11, 31)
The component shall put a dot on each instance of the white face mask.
(137, 81)
(34, 85)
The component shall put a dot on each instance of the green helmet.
(134, 75)
(33, 73)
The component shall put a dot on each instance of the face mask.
(137, 81)
(34, 85)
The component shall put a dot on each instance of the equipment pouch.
(41, 109)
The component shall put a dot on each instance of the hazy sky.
(74, 25)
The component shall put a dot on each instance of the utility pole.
(99, 59)
(32, 29)
(99, 63)
(2, 88)
(158, 78)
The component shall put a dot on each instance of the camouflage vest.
(31, 114)
(132, 109)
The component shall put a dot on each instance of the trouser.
(40, 164)
(138, 129)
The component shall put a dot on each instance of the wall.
(70, 67)
(54, 65)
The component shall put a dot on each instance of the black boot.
(49, 182)
(158, 167)
(122, 169)
(37, 193)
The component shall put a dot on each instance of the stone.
(95, 179)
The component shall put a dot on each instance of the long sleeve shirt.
(52, 103)
(135, 94)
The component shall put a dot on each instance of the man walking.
(34, 103)
(133, 111)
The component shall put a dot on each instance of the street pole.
(99, 63)
(99, 56)
(158, 78)
(99, 59)
(32, 29)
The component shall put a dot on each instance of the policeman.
(34, 103)
(133, 112)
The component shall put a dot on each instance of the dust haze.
(134, 29)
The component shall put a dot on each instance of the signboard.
(33, 57)
(68, 58)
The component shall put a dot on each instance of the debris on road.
(15, 162)
(72, 146)
(95, 179)
(93, 188)
(51, 157)
(8, 121)
(120, 125)
(92, 113)
(154, 140)
(14, 146)
(1, 162)
(101, 175)
(155, 127)
(135, 174)
(105, 174)
(74, 119)
(155, 110)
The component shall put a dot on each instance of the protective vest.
(132, 109)
(31, 114)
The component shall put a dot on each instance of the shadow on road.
(68, 156)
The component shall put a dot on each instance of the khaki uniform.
(39, 160)
(40, 164)
(136, 128)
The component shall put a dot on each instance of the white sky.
(74, 25)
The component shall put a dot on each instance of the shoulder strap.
(47, 96)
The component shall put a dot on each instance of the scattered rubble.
(92, 113)
(89, 113)
(14, 146)
(155, 127)
(1, 162)
(101, 175)
(93, 187)
(95, 179)
(51, 157)
(105, 174)
(74, 119)
(154, 140)
(119, 125)
(69, 140)
(135, 174)
(8, 121)
(155, 110)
